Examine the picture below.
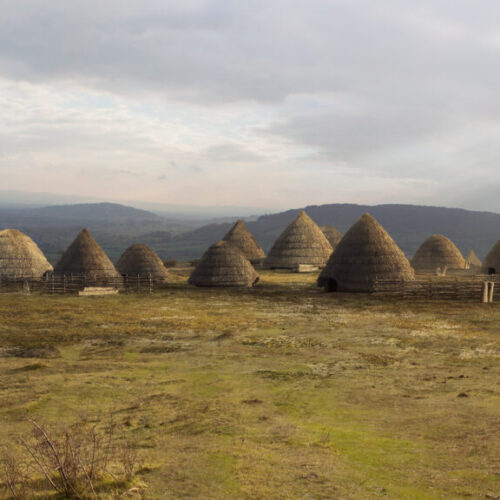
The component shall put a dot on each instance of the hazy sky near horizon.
(273, 103)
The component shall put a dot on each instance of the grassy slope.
(277, 392)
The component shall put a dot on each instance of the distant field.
(281, 391)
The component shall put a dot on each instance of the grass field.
(281, 391)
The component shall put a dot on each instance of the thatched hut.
(302, 242)
(437, 252)
(224, 264)
(85, 258)
(240, 236)
(472, 261)
(20, 256)
(491, 264)
(140, 260)
(365, 254)
(332, 235)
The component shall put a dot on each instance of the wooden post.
(138, 283)
(484, 293)
(491, 288)
(150, 283)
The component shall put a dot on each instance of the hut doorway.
(332, 285)
(492, 270)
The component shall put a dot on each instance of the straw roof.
(365, 254)
(438, 251)
(492, 262)
(224, 264)
(332, 235)
(302, 242)
(473, 260)
(84, 257)
(140, 260)
(20, 256)
(240, 236)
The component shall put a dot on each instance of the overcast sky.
(265, 103)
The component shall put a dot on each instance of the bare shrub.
(73, 460)
(15, 475)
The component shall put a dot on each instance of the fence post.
(150, 283)
(491, 288)
(484, 293)
(138, 283)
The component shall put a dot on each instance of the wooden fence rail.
(75, 284)
(439, 288)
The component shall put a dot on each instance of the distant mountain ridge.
(114, 226)
(409, 225)
(96, 211)
(117, 226)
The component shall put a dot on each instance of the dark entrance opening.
(332, 285)
(492, 270)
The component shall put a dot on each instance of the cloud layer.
(270, 102)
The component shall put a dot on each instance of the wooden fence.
(75, 284)
(438, 288)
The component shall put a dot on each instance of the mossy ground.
(281, 391)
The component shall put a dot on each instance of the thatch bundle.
(332, 235)
(366, 253)
(491, 264)
(20, 256)
(224, 264)
(438, 252)
(140, 260)
(84, 257)
(473, 261)
(240, 236)
(302, 242)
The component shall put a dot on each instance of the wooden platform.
(96, 290)
(306, 268)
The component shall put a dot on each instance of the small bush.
(72, 460)
(170, 263)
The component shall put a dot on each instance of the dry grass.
(281, 391)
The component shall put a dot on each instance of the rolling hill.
(114, 226)
(117, 226)
(409, 225)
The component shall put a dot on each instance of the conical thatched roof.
(140, 260)
(366, 253)
(332, 235)
(224, 264)
(20, 256)
(473, 260)
(240, 236)
(438, 251)
(302, 242)
(491, 264)
(84, 257)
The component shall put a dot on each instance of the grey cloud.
(215, 51)
(394, 85)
